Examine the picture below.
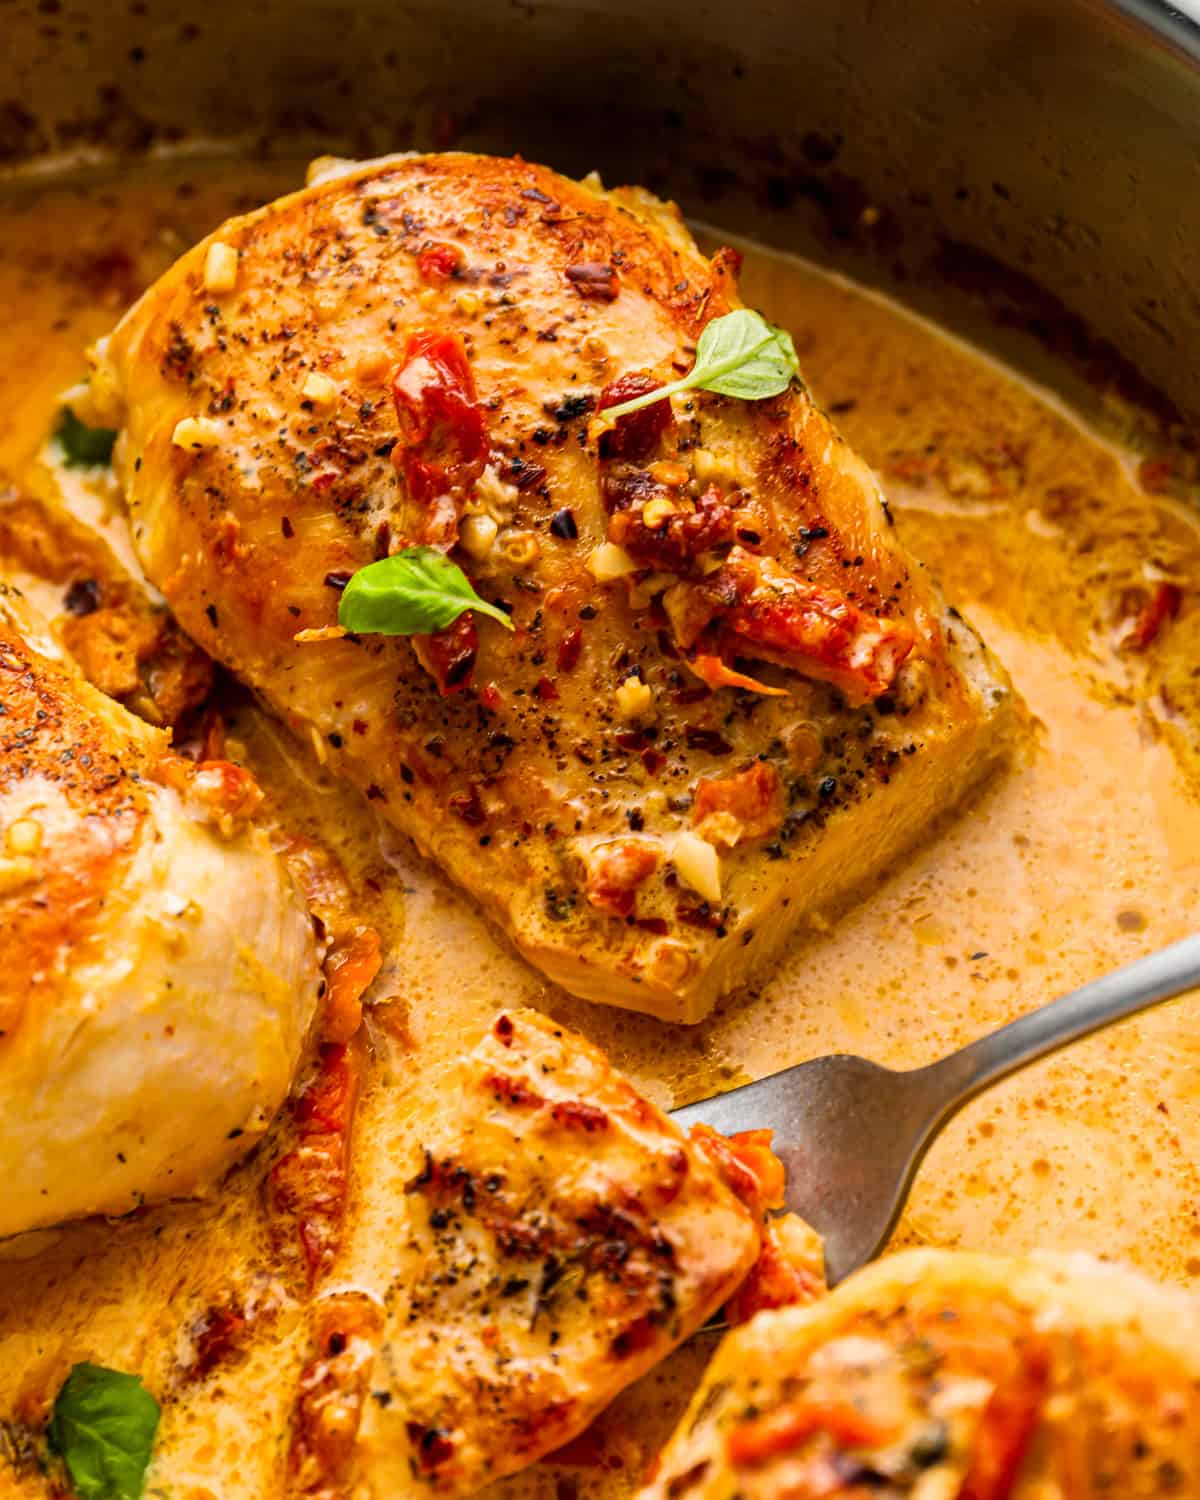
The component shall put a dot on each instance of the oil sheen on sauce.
(1084, 856)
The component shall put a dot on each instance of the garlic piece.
(476, 534)
(696, 863)
(634, 698)
(319, 389)
(220, 268)
(608, 561)
(196, 432)
(24, 836)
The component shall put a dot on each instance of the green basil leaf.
(740, 354)
(83, 446)
(412, 592)
(103, 1428)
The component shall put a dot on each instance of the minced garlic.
(608, 561)
(319, 389)
(220, 268)
(697, 864)
(24, 836)
(197, 432)
(658, 510)
(634, 698)
(476, 535)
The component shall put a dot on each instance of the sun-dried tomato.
(636, 435)
(616, 870)
(443, 442)
(306, 1188)
(448, 655)
(675, 544)
(790, 1426)
(753, 796)
(1007, 1427)
(751, 607)
(439, 262)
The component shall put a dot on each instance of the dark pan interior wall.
(1029, 169)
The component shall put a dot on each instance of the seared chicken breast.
(939, 1374)
(729, 695)
(552, 1236)
(159, 972)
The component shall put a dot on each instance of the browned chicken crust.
(708, 595)
(937, 1374)
(558, 1237)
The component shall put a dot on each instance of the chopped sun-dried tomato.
(350, 967)
(636, 435)
(746, 1163)
(787, 1273)
(448, 655)
(443, 442)
(331, 1392)
(676, 542)
(306, 1188)
(753, 796)
(712, 671)
(439, 262)
(616, 870)
(791, 1425)
(752, 607)
(1153, 613)
(1006, 1429)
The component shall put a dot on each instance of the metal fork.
(852, 1134)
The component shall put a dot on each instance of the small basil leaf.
(83, 446)
(103, 1427)
(740, 354)
(412, 592)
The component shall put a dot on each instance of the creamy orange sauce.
(1084, 856)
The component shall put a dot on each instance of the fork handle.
(1125, 992)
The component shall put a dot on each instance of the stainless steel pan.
(1029, 170)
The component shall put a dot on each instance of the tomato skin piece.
(443, 441)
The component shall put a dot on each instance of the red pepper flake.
(491, 697)
(546, 690)
(503, 1030)
(514, 1091)
(594, 279)
(569, 649)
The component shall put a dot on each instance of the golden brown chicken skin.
(970, 1377)
(554, 1235)
(730, 695)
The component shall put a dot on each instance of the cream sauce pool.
(1084, 856)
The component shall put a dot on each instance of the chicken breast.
(730, 696)
(940, 1374)
(160, 971)
(551, 1236)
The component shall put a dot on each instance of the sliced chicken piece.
(160, 971)
(936, 1374)
(553, 1236)
(712, 609)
